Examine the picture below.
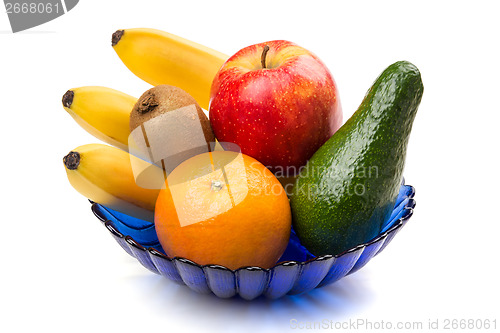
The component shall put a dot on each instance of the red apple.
(278, 102)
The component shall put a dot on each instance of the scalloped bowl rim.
(130, 240)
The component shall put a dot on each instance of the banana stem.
(263, 56)
(67, 99)
(117, 35)
(72, 160)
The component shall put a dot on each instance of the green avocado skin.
(349, 187)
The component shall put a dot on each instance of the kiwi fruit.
(168, 126)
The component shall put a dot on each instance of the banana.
(115, 179)
(159, 57)
(101, 111)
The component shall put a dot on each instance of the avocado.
(348, 188)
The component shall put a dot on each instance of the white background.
(62, 271)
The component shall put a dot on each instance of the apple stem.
(263, 57)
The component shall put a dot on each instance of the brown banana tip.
(67, 99)
(117, 35)
(72, 160)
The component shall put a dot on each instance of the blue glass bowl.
(297, 271)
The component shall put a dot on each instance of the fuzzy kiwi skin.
(162, 99)
(165, 98)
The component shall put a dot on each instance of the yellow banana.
(101, 111)
(108, 176)
(159, 57)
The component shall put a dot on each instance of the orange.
(223, 208)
